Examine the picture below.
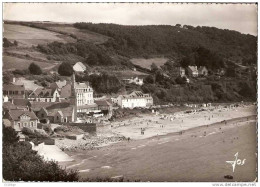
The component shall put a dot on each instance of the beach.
(162, 124)
(199, 153)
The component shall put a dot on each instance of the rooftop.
(13, 87)
(15, 114)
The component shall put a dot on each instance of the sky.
(239, 17)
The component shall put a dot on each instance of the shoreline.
(162, 124)
(218, 145)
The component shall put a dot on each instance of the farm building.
(79, 67)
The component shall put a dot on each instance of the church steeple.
(73, 99)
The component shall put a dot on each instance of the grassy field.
(28, 36)
(84, 35)
(146, 63)
(11, 63)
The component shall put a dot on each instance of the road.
(199, 154)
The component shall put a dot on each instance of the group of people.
(142, 131)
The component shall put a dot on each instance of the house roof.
(15, 114)
(202, 67)
(8, 105)
(87, 106)
(65, 112)
(36, 106)
(44, 92)
(61, 84)
(65, 91)
(81, 85)
(79, 66)
(102, 103)
(21, 102)
(12, 87)
(135, 95)
(193, 68)
(58, 105)
(28, 84)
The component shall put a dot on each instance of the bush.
(21, 163)
(35, 69)
(65, 69)
(20, 72)
(47, 129)
(7, 43)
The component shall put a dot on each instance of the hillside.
(126, 51)
(174, 40)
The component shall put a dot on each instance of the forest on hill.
(180, 45)
(175, 41)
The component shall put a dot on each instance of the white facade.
(79, 67)
(84, 94)
(135, 80)
(135, 99)
(54, 98)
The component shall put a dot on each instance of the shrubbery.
(21, 163)
(35, 69)
(65, 69)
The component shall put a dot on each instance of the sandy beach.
(200, 152)
(165, 158)
(162, 124)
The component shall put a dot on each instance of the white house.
(21, 118)
(135, 80)
(135, 99)
(79, 67)
(84, 93)
(193, 71)
(203, 71)
(45, 95)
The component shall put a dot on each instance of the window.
(42, 115)
(19, 124)
(25, 124)
(31, 124)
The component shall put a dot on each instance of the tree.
(21, 163)
(15, 43)
(231, 72)
(154, 68)
(180, 80)
(65, 69)
(92, 59)
(7, 43)
(9, 135)
(149, 79)
(35, 69)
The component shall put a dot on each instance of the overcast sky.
(239, 17)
